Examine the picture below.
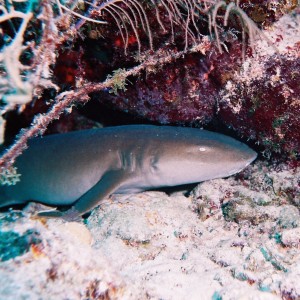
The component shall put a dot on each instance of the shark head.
(198, 155)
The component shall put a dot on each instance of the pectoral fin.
(106, 186)
(53, 213)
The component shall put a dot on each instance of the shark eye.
(202, 149)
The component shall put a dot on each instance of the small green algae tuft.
(12, 244)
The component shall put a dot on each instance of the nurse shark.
(79, 169)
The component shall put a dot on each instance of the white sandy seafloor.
(234, 238)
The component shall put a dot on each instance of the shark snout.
(243, 157)
(248, 155)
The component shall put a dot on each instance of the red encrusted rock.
(257, 96)
(261, 100)
(73, 66)
(267, 12)
(267, 109)
(178, 92)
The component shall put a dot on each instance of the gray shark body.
(83, 167)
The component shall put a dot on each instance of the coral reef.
(230, 238)
(174, 58)
(52, 261)
(257, 97)
(180, 92)
(238, 235)
(231, 63)
(261, 100)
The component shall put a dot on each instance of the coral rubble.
(230, 238)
